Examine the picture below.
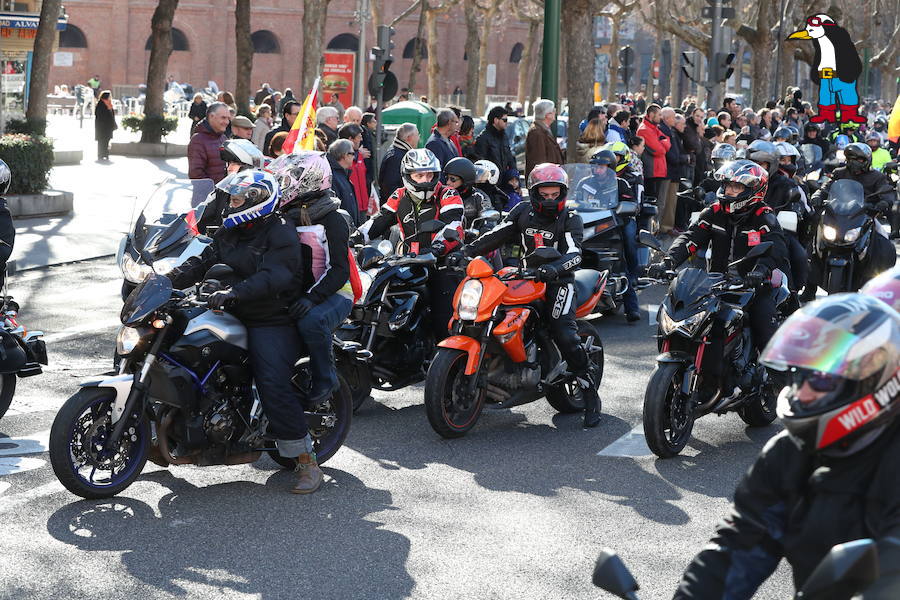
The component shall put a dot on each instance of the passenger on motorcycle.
(265, 254)
(461, 175)
(739, 220)
(423, 198)
(239, 155)
(7, 230)
(719, 156)
(488, 181)
(832, 476)
(327, 297)
(544, 221)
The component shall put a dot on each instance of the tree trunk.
(613, 78)
(674, 72)
(417, 48)
(527, 62)
(657, 54)
(760, 71)
(473, 50)
(36, 113)
(487, 22)
(434, 67)
(578, 25)
(315, 14)
(160, 49)
(244, 50)
(537, 69)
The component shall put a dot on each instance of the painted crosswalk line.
(32, 444)
(19, 464)
(631, 444)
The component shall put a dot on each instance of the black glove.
(221, 299)
(438, 248)
(883, 207)
(754, 278)
(454, 259)
(356, 239)
(299, 308)
(658, 270)
(547, 273)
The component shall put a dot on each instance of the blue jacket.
(442, 147)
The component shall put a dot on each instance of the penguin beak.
(800, 35)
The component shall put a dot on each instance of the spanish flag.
(894, 122)
(303, 132)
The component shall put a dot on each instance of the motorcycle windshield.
(811, 153)
(689, 290)
(846, 197)
(592, 187)
(162, 221)
(146, 298)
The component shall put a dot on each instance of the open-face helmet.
(761, 151)
(488, 172)
(721, 154)
(243, 152)
(622, 152)
(464, 169)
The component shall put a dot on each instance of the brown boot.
(309, 475)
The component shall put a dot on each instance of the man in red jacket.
(658, 144)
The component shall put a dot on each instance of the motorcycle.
(499, 350)
(844, 235)
(22, 352)
(688, 382)
(596, 201)
(892, 172)
(164, 234)
(183, 395)
(846, 571)
(391, 321)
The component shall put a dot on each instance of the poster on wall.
(337, 77)
(63, 59)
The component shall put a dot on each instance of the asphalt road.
(517, 509)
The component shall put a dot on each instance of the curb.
(12, 268)
(50, 203)
(160, 150)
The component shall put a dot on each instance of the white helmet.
(786, 149)
(241, 151)
(487, 171)
(260, 191)
(420, 160)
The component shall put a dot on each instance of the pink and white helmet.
(302, 175)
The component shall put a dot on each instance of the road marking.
(4, 486)
(79, 330)
(19, 464)
(631, 444)
(15, 500)
(652, 310)
(33, 444)
(27, 405)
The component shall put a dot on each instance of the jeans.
(273, 351)
(834, 91)
(316, 329)
(630, 247)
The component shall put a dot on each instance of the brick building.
(110, 38)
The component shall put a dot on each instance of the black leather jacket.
(872, 181)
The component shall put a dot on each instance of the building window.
(410, 47)
(344, 41)
(516, 54)
(72, 37)
(265, 42)
(179, 41)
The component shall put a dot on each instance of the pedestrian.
(389, 178)
(288, 115)
(228, 99)
(373, 105)
(695, 139)
(94, 84)
(276, 144)
(336, 104)
(370, 126)
(358, 175)
(591, 141)
(104, 124)
(197, 111)
(327, 120)
(654, 156)
(262, 126)
(288, 96)
(617, 130)
(204, 161)
(241, 128)
(540, 143)
(640, 105)
(724, 119)
(440, 143)
(262, 93)
(341, 157)
(687, 149)
(466, 137)
(491, 144)
(354, 114)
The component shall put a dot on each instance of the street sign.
(707, 12)
(388, 83)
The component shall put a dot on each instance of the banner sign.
(338, 77)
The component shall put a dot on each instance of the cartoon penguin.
(836, 68)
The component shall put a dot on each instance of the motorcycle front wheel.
(668, 420)
(7, 391)
(451, 413)
(77, 438)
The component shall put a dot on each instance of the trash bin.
(422, 115)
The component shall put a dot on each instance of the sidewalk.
(105, 196)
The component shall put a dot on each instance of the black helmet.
(761, 151)
(462, 168)
(795, 134)
(841, 357)
(858, 157)
(810, 127)
(605, 157)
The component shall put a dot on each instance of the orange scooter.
(501, 353)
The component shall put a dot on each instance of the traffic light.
(690, 65)
(721, 68)
(382, 83)
(386, 44)
(625, 72)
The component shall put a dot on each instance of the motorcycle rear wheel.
(564, 398)
(447, 412)
(760, 411)
(7, 391)
(663, 403)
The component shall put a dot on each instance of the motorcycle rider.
(544, 221)
(832, 475)
(461, 175)
(880, 156)
(327, 298)
(7, 229)
(239, 155)
(813, 135)
(879, 196)
(423, 198)
(265, 254)
(739, 220)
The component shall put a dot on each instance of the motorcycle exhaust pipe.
(163, 441)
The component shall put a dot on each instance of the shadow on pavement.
(249, 538)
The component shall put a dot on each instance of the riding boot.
(591, 399)
(309, 475)
(826, 114)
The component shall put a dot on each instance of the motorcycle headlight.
(829, 233)
(688, 326)
(469, 300)
(164, 266)
(128, 339)
(852, 234)
(134, 271)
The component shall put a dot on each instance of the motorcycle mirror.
(545, 254)
(385, 247)
(367, 257)
(431, 226)
(794, 195)
(490, 215)
(648, 239)
(846, 570)
(890, 165)
(219, 271)
(759, 250)
(611, 575)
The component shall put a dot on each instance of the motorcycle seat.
(587, 284)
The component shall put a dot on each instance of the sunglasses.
(504, 119)
(453, 178)
(817, 22)
(818, 381)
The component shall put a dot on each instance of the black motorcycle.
(185, 372)
(844, 234)
(22, 352)
(689, 381)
